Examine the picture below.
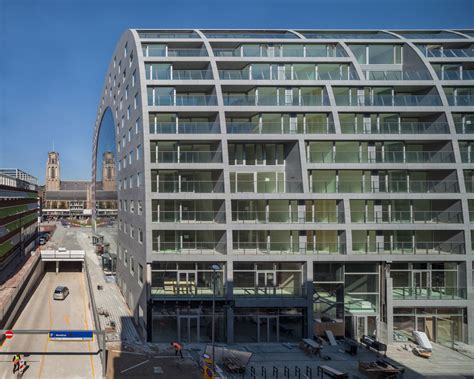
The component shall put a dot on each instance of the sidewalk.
(109, 298)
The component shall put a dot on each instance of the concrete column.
(389, 305)
(229, 285)
(57, 267)
(309, 297)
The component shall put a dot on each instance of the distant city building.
(72, 198)
(19, 208)
(328, 174)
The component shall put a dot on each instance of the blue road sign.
(71, 335)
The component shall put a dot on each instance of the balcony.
(461, 100)
(262, 217)
(273, 101)
(396, 75)
(411, 217)
(429, 293)
(455, 75)
(186, 182)
(292, 51)
(287, 248)
(389, 101)
(168, 34)
(387, 157)
(263, 182)
(270, 291)
(410, 248)
(179, 75)
(173, 156)
(242, 127)
(402, 127)
(447, 53)
(182, 100)
(296, 75)
(184, 127)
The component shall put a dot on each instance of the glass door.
(188, 329)
(186, 283)
(420, 282)
(266, 282)
(268, 327)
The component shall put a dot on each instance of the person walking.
(16, 362)
(21, 366)
(178, 348)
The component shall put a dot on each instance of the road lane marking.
(67, 320)
(50, 313)
(132, 367)
(83, 292)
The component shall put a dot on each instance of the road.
(42, 312)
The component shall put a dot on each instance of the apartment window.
(126, 93)
(120, 252)
(115, 61)
(120, 224)
(132, 265)
(135, 101)
(122, 122)
(124, 74)
(129, 134)
(115, 80)
(123, 141)
(125, 205)
(133, 78)
(125, 49)
(124, 162)
(137, 125)
(128, 112)
(121, 103)
(125, 184)
(130, 182)
(132, 231)
(120, 205)
(140, 273)
(139, 152)
(131, 58)
(139, 207)
(118, 147)
(139, 179)
(130, 158)
(125, 227)
(125, 257)
(140, 235)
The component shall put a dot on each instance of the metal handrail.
(198, 186)
(419, 247)
(412, 186)
(401, 127)
(448, 217)
(263, 217)
(278, 128)
(184, 127)
(429, 293)
(173, 156)
(182, 100)
(389, 100)
(253, 100)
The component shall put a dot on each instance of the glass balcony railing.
(397, 75)
(285, 52)
(211, 247)
(429, 293)
(409, 248)
(168, 34)
(234, 127)
(449, 53)
(173, 156)
(286, 248)
(182, 100)
(403, 127)
(194, 186)
(256, 217)
(390, 101)
(270, 75)
(262, 186)
(414, 217)
(464, 128)
(184, 127)
(172, 288)
(461, 100)
(414, 186)
(187, 52)
(252, 100)
(188, 217)
(456, 75)
(250, 35)
(180, 75)
(277, 291)
(387, 157)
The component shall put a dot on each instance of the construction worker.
(16, 362)
(178, 348)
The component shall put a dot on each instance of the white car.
(60, 293)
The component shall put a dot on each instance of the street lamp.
(214, 268)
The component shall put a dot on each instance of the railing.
(281, 248)
(412, 186)
(196, 186)
(466, 155)
(166, 35)
(180, 75)
(268, 291)
(469, 185)
(189, 52)
(397, 75)
(68, 255)
(262, 217)
(402, 217)
(464, 128)
(448, 53)
(182, 100)
(209, 247)
(429, 293)
(389, 101)
(262, 186)
(184, 127)
(173, 156)
(402, 127)
(252, 100)
(278, 128)
(425, 248)
(386, 157)
(248, 35)
(185, 289)
(456, 75)
(188, 217)
(285, 52)
(461, 100)
(296, 75)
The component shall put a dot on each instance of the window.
(125, 184)
(129, 134)
(132, 206)
(125, 205)
(122, 122)
(124, 162)
(120, 224)
(132, 231)
(130, 182)
(140, 273)
(134, 77)
(140, 235)
(126, 93)
(135, 101)
(131, 58)
(132, 265)
(137, 125)
(119, 162)
(139, 179)
(139, 152)
(123, 141)
(139, 207)
(125, 257)
(118, 148)
(130, 158)
(128, 112)
(119, 252)
(125, 227)
(121, 103)
(125, 49)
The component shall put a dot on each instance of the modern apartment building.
(19, 208)
(328, 173)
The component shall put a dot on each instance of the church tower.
(53, 180)
(108, 172)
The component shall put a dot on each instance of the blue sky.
(54, 55)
